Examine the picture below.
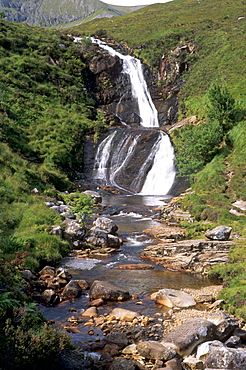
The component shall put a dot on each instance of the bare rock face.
(173, 298)
(108, 291)
(226, 358)
(186, 337)
(155, 351)
(164, 232)
(219, 233)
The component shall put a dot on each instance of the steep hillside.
(54, 13)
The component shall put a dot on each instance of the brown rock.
(135, 266)
(155, 351)
(90, 312)
(108, 291)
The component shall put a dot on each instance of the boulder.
(47, 270)
(219, 233)
(57, 230)
(204, 349)
(193, 363)
(90, 312)
(227, 359)
(225, 325)
(28, 275)
(186, 337)
(123, 364)
(72, 289)
(73, 230)
(108, 291)
(97, 237)
(173, 298)
(153, 350)
(173, 364)
(123, 314)
(94, 195)
(106, 224)
(49, 297)
(63, 274)
(114, 241)
(119, 339)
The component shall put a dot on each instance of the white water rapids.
(160, 175)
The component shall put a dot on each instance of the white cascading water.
(161, 176)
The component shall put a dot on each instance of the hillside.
(57, 14)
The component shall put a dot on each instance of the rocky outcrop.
(197, 255)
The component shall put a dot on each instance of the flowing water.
(118, 156)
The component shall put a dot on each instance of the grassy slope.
(219, 33)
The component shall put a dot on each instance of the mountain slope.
(54, 13)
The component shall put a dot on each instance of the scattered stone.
(108, 291)
(97, 302)
(219, 233)
(173, 298)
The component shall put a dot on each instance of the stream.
(138, 215)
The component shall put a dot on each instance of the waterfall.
(118, 162)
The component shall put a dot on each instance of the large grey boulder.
(219, 233)
(153, 350)
(226, 359)
(173, 298)
(186, 337)
(106, 224)
(108, 291)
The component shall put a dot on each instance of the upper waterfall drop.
(133, 67)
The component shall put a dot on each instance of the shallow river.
(136, 215)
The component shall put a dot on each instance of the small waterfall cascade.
(137, 160)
